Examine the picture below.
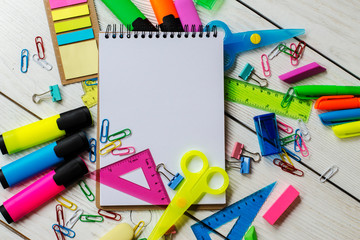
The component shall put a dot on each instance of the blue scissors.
(192, 189)
(235, 43)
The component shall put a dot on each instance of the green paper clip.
(285, 140)
(86, 190)
(123, 133)
(91, 218)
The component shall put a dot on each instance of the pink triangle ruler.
(110, 176)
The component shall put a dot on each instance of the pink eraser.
(302, 73)
(188, 14)
(237, 150)
(281, 204)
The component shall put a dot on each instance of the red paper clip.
(57, 233)
(266, 68)
(299, 49)
(109, 214)
(293, 60)
(60, 214)
(40, 47)
(286, 167)
(284, 127)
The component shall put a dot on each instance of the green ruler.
(265, 99)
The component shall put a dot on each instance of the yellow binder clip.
(347, 130)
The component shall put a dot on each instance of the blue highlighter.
(42, 159)
(235, 43)
(340, 117)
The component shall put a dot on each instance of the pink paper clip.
(266, 69)
(303, 149)
(123, 151)
(284, 127)
(294, 61)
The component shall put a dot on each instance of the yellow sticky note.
(80, 59)
(72, 24)
(70, 12)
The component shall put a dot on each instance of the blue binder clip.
(246, 73)
(340, 117)
(174, 181)
(54, 92)
(245, 165)
(268, 134)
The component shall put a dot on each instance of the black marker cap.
(75, 120)
(142, 25)
(69, 172)
(2, 145)
(72, 145)
(3, 181)
(5, 214)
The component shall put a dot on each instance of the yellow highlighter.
(346, 130)
(193, 188)
(45, 130)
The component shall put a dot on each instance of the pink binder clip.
(294, 61)
(284, 127)
(265, 65)
(239, 151)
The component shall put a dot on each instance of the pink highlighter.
(43, 190)
(188, 14)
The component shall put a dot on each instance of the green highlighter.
(129, 15)
(316, 91)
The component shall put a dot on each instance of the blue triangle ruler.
(245, 210)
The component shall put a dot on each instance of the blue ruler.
(245, 210)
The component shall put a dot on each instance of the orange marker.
(167, 15)
(337, 102)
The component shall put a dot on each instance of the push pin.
(239, 151)
(248, 71)
(174, 181)
(54, 91)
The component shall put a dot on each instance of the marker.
(166, 15)
(129, 15)
(337, 102)
(188, 14)
(43, 190)
(45, 130)
(43, 159)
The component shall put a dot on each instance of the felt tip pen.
(188, 14)
(340, 117)
(42, 159)
(166, 15)
(337, 102)
(129, 15)
(43, 190)
(45, 130)
(316, 91)
(346, 130)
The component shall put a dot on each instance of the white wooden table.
(323, 211)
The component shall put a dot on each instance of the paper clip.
(284, 153)
(86, 190)
(292, 155)
(283, 48)
(123, 151)
(42, 62)
(285, 140)
(174, 181)
(60, 214)
(54, 92)
(64, 230)
(24, 61)
(92, 152)
(119, 135)
(109, 147)
(109, 214)
(299, 50)
(66, 203)
(296, 148)
(91, 82)
(265, 65)
(104, 133)
(284, 127)
(40, 47)
(91, 218)
(74, 218)
(288, 98)
(303, 149)
(288, 168)
(293, 60)
(137, 229)
(305, 134)
(329, 173)
(274, 52)
(58, 232)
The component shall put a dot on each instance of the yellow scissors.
(193, 188)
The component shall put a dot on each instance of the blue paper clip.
(64, 230)
(92, 152)
(296, 148)
(104, 135)
(24, 60)
(245, 165)
(93, 82)
(54, 92)
(246, 73)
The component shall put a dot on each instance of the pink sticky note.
(63, 3)
(281, 204)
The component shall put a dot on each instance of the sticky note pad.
(79, 59)
(70, 12)
(72, 24)
(77, 36)
(63, 3)
(281, 204)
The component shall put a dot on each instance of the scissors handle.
(187, 158)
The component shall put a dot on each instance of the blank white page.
(170, 93)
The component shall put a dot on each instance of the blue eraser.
(175, 181)
(55, 93)
(245, 165)
(246, 72)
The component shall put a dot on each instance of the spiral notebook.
(168, 89)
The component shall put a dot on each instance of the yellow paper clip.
(284, 153)
(109, 147)
(66, 203)
(138, 227)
